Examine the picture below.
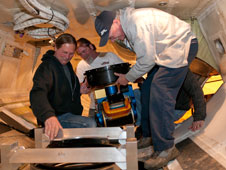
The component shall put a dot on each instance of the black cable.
(51, 17)
(49, 28)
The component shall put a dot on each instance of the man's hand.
(52, 126)
(122, 79)
(196, 125)
(84, 87)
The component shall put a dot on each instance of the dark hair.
(86, 42)
(65, 38)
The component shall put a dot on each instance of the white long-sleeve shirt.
(157, 38)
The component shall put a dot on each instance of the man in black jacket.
(55, 96)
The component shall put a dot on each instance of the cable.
(27, 22)
(51, 17)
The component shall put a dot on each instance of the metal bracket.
(125, 156)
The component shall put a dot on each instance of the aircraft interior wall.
(20, 59)
(16, 60)
(212, 22)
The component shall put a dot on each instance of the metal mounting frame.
(124, 156)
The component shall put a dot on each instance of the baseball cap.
(103, 24)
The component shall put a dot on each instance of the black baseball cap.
(103, 24)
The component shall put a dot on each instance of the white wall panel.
(212, 22)
(16, 60)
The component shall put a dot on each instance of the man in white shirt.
(158, 38)
(91, 60)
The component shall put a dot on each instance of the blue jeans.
(69, 120)
(138, 105)
(158, 97)
(145, 98)
(143, 111)
(142, 98)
